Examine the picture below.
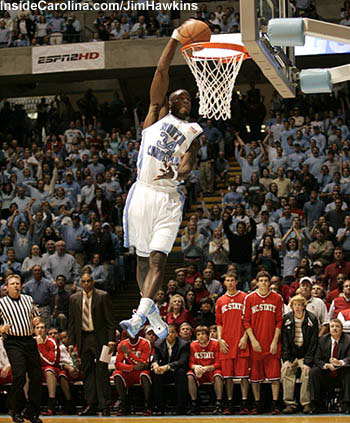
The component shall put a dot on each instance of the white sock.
(145, 306)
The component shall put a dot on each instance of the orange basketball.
(194, 31)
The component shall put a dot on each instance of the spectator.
(343, 237)
(29, 262)
(299, 342)
(57, 27)
(342, 302)
(334, 269)
(321, 249)
(331, 359)
(170, 364)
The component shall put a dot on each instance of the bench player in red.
(50, 363)
(234, 352)
(132, 363)
(205, 367)
(262, 319)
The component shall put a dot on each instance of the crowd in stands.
(49, 28)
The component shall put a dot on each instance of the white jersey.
(165, 141)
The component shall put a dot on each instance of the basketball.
(194, 31)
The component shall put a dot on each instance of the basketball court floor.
(295, 418)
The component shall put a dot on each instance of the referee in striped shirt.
(19, 314)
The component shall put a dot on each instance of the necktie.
(334, 355)
(86, 313)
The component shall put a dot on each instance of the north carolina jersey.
(229, 311)
(263, 314)
(205, 356)
(165, 141)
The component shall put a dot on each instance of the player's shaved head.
(176, 93)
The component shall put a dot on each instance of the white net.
(215, 71)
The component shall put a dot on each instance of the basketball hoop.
(215, 67)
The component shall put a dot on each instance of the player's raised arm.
(160, 83)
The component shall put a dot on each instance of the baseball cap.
(317, 263)
(305, 280)
(148, 329)
(105, 225)
(75, 216)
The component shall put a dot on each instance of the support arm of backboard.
(273, 69)
(292, 31)
(314, 81)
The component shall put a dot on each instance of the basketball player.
(234, 353)
(262, 319)
(153, 209)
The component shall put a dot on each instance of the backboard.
(276, 63)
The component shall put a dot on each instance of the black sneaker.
(218, 409)
(228, 410)
(193, 410)
(244, 410)
(257, 409)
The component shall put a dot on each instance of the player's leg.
(119, 384)
(272, 370)
(192, 386)
(147, 309)
(241, 365)
(51, 381)
(146, 385)
(142, 268)
(218, 389)
(227, 371)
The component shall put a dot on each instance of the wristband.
(176, 174)
(176, 35)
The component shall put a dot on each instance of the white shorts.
(152, 218)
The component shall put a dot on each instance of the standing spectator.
(62, 263)
(234, 353)
(262, 319)
(170, 364)
(292, 253)
(313, 209)
(29, 262)
(219, 250)
(42, 291)
(91, 327)
(5, 34)
(19, 314)
(241, 245)
(314, 305)
(22, 239)
(299, 342)
(206, 165)
(336, 217)
(41, 29)
(57, 27)
(331, 366)
(343, 237)
(321, 249)
(61, 301)
(334, 269)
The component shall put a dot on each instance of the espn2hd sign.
(68, 57)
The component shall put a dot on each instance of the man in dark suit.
(332, 366)
(91, 326)
(170, 365)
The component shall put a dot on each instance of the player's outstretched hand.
(167, 172)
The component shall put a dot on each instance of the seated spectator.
(98, 272)
(191, 304)
(342, 302)
(5, 366)
(170, 364)
(299, 342)
(318, 291)
(204, 367)
(332, 270)
(206, 316)
(185, 331)
(177, 312)
(212, 285)
(181, 286)
(331, 367)
(132, 364)
(338, 290)
(161, 303)
(11, 263)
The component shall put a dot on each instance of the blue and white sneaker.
(134, 325)
(160, 328)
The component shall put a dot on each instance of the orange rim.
(235, 48)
